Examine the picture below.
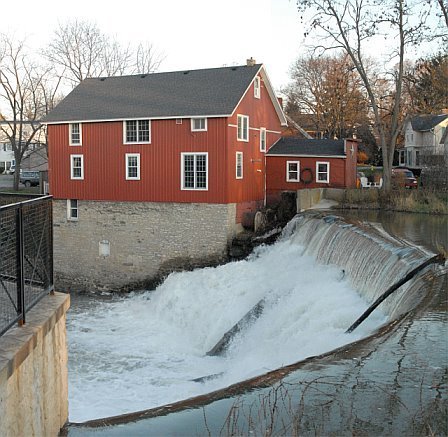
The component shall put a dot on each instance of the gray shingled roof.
(422, 123)
(206, 92)
(293, 146)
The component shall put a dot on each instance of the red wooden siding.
(261, 113)
(350, 163)
(160, 162)
(341, 174)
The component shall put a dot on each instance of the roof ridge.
(183, 71)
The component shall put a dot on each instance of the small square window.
(178, 121)
(198, 124)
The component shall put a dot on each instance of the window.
(323, 172)
(243, 128)
(293, 171)
(262, 139)
(417, 157)
(137, 131)
(178, 121)
(75, 134)
(72, 209)
(132, 166)
(257, 87)
(401, 157)
(239, 165)
(77, 166)
(198, 124)
(194, 171)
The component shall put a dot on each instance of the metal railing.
(26, 256)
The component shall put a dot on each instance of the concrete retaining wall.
(308, 197)
(33, 372)
(122, 245)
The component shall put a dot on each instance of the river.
(394, 382)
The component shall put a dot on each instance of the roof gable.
(292, 146)
(207, 92)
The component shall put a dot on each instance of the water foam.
(143, 351)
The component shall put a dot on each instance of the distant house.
(34, 158)
(6, 157)
(426, 138)
(304, 125)
(151, 172)
(295, 163)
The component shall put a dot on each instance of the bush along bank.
(402, 200)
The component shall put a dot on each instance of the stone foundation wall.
(124, 245)
(33, 372)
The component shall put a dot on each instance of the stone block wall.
(125, 245)
(33, 372)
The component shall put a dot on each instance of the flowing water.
(146, 349)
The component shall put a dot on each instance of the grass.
(402, 200)
(24, 190)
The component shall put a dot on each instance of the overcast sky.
(190, 34)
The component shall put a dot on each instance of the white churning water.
(142, 351)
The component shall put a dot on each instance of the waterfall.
(372, 259)
(284, 303)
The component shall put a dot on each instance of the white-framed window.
(293, 171)
(401, 157)
(137, 131)
(322, 172)
(257, 87)
(198, 124)
(72, 209)
(262, 139)
(178, 121)
(417, 157)
(243, 128)
(77, 166)
(239, 165)
(194, 171)
(132, 166)
(75, 134)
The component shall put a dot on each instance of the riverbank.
(417, 201)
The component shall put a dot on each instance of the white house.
(6, 157)
(425, 135)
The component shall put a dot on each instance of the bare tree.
(80, 50)
(26, 95)
(148, 60)
(444, 10)
(348, 25)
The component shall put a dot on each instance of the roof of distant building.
(293, 146)
(422, 123)
(189, 93)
